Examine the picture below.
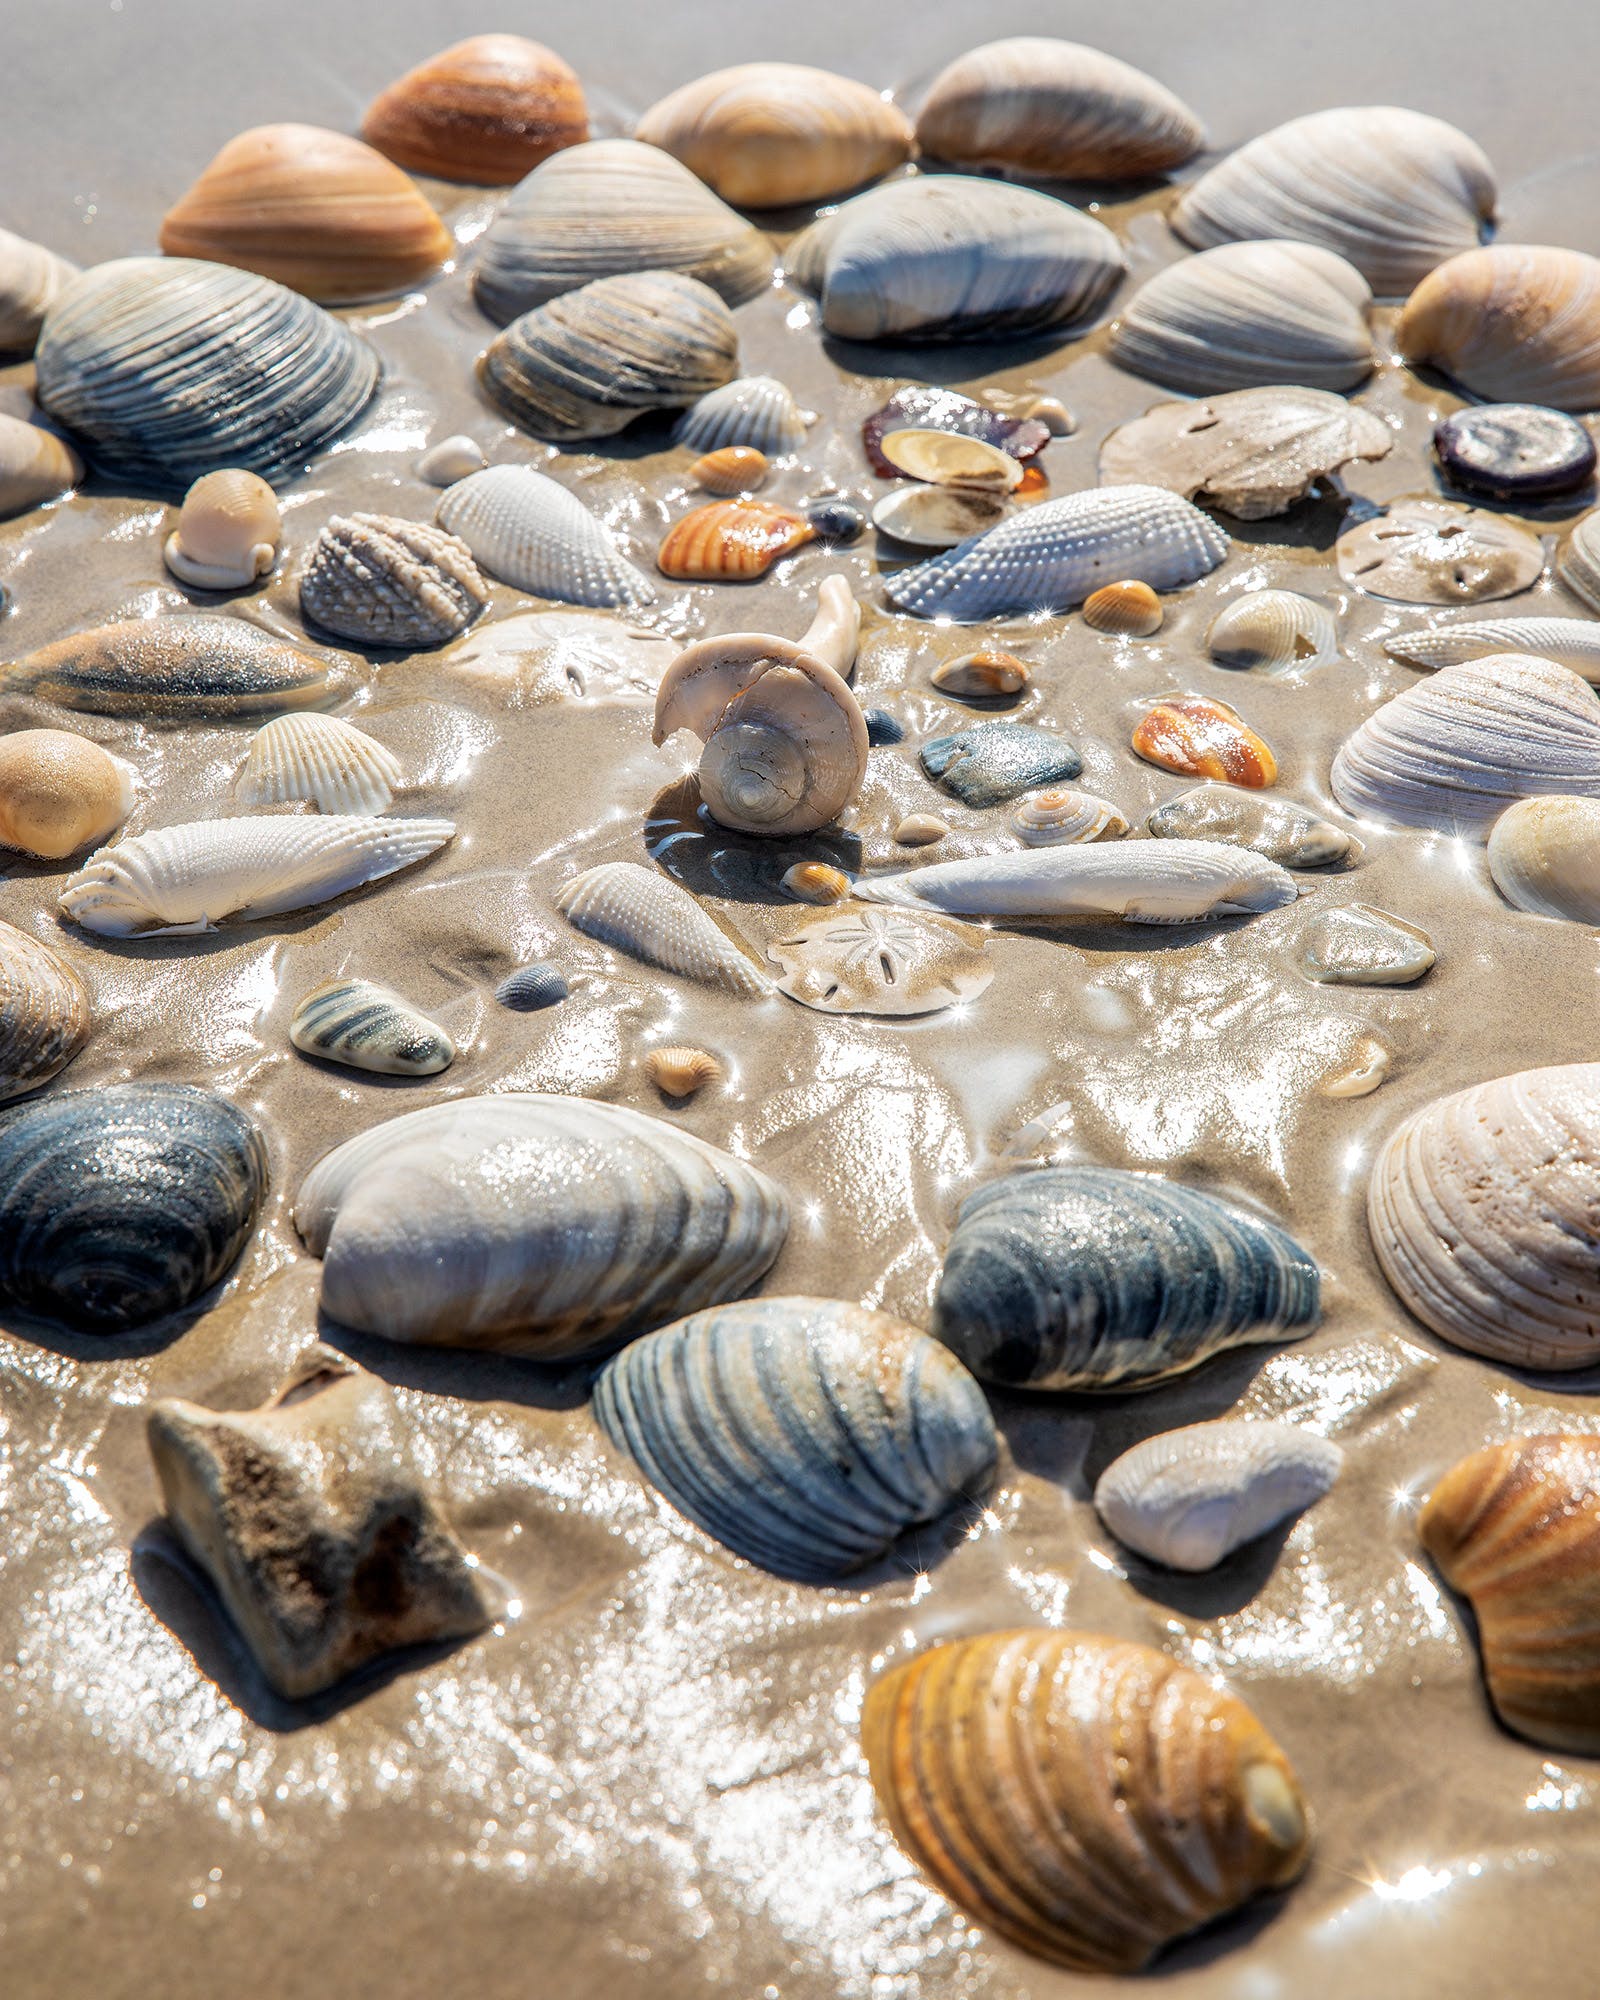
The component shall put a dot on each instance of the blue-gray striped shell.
(804, 1434)
(121, 1205)
(1096, 1278)
(366, 1026)
(531, 987)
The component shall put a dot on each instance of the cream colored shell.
(1544, 855)
(31, 279)
(228, 533)
(59, 791)
(35, 465)
(44, 1013)
(322, 760)
(1513, 322)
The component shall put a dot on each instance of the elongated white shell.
(1544, 855)
(646, 914)
(369, 1027)
(754, 410)
(1273, 629)
(1570, 642)
(321, 759)
(1512, 322)
(31, 279)
(529, 531)
(1578, 564)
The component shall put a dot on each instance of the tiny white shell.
(452, 458)
(529, 531)
(321, 759)
(649, 916)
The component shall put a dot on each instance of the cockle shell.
(1484, 1209)
(44, 1013)
(1394, 191)
(452, 458)
(938, 517)
(1128, 610)
(681, 1072)
(1438, 552)
(228, 532)
(732, 468)
(755, 411)
(777, 134)
(532, 1224)
(532, 987)
(608, 209)
(1204, 739)
(944, 257)
(59, 791)
(1358, 945)
(995, 761)
(167, 368)
(1247, 315)
(815, 882)
(381, 581)
(120, 1205)
(1454, 751)
(320, 759)
(1544, 856)
(1188, 1498)
(174, 667)
(186, 879)
(31, 280)
(1050, 557)
(947, 458)
(731, 541)
(1273, 629)
(1283, 832)
(541, 657)
(368, 1027)
(1570, 642)
(807, 1435)
(1084, 1797)
(920, 406)
(1578, 564)
(485, 111)
(890, 963)
(1061, 817)
(1512, 322)
(646, 914)
(529, 531)
(990, 674)
(35, 465)
(1516, 1529)
(589, 362)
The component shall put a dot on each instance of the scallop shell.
(44, 1013)
(947, 458)
(1188, 1498)
(532, 1224)
(452, 458)
(938, 517)
(186, 879)
(1084, 1797)
(1454, 751)
(1249, 315)
(532, 987)
(731, 541)
(1438, 552)
(990, 674)
(529, 531)
(1544, 856)
(777, 134)
(1050, 557)
(1064, 818)
(680, 1072)
(1514, 323)
(320, 759)
(1358, 945)
(732, 468)
(889, 963)
(1394, 191)
(485, 111)
(995, 761)
(608, 209)
(167, 368)
(755, 411)
(1273, 629)
(59, 792)
(362, 1026)
(121, 1205)
(35, 466)
(381, 581)
(1204, 739)
(1283, 832)
(806, 1435)
(32, 278)
(228, 533)
(944, 257)
(650, 917)
(590, 362)
(815, 882)
(1578, 564)
(542, 657)
(1128, 610)
(1570, 642)
(175, 667)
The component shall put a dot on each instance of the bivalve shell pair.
(529, 531)
(1512, 322)
(32, 278)
(756, 412)
(1544, 856)
(322, 760)
(175, 667)
(361, 1025)
(35, 466)
(486, 111)
(228, 533)
(919, 406)
(44, 1013)
(59, 791)
(1438, 552)
(380, 581)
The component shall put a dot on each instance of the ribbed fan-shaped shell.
(1570, 642)
(1438, 552)
(529, 531)
(1085, 1797)
(756, 410)
(32, 278)
(369, 1027)
(804, 1434)
(176, 667)
(382, 581)
(531, 987)
(1544, 856)
(1578, 564)
(168, 368)
(1513, 322)
(321, 759)
(486, 111)
(646, 914)
(546, 1226)
(731, 541)
(1273, 629)
(44, 1013)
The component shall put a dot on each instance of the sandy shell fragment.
(452, 458)
(681, 1072)
(378, 580)
(1128, 610)
(1570, 642)
(986, 675)
(938, 517)
(321, 759)
(44, 1013)
(1514, 451)
(486, 111)
(754, 411)
(32, 278)
(1362, 946)
(1363, 1071)
(59, 792)
(946, 458)
(733, 468)
(1439, 552)
(1578, 564)
(529, 531)
(175, 667)
(228, 533)
(539, 658)
(1274, 630)
(35, 466)
(533, 987)
(920, 830)
(920, 406)
(995, 761)
(364, 1026)
(1204, 739)
(1544, 856)
(1286, 833)
(731, 541)
(1512, 322)
(815, 882)
(886, 962)
(646, 914)
(1061, 817)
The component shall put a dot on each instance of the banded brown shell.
(485, 111)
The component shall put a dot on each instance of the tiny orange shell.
(1204, 739)
(1131, 610)
(729, 541)
(736, 468)
(816, 882)
(1034, 483)
(485, 111)
(681, 1072)
(985, 675)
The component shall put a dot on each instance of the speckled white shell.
(529, 531)
(646, 914)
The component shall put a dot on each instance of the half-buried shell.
(1544, 856)
(1273, 629)
(646, 914)
(175, 667)
(529, 531)
(1358, 945)
(378, 580)
(1286, 833)
(890, 963)
(31, 280)
(35, 465)
(486, 111)
(364, 1026)
(44, 1013)
(755, 411)
(321, 759)
(1439, 552)
(1512, 322)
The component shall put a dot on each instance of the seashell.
(883, 728)
(539, 657)
(1362, 1073)
(44, 1013)
(681, 1072)
(121, 1205)
(995, 761)
(1512, 322)
(320, 1532)
(1131, 610)
(815, 882)
(485, 111)
(945, 257)
(806, 1435)
(1143, 882)
(182, 880)
(1050, 557)
(733, 468)
(228, 533)
(381, 581)
(591, 361)
(1204, 739)
(531, 987)
(1362, 946)
(1438, 552)
(1570, 642)
(650, 917)
(1578, 564)
(1084, 1797)
(1513, 451)
(1251, 453)
(362, 1026)
(175, 667)
(1454, 751)
(532, 1224)
(731, 541)
(1285, 833)
(1250, 315)
(946, 458)
(166, 368)
(884, 962)
(612, 208)
(32, 278)
(1515, 1529)
(779, 135)
(755, 411)
(835, 520)
(920, 830)
(321, 759)
(59, 791)
(35, 465)
(938, 517)
(1394, 191)
(1273, 629)
(986, 675)
(1064, 818)
(1188, 1498)
(919, 406)
(452, 458)
(312, 209)
(1544, 856)
(529, 531)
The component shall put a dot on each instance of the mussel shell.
(44, 1013)
(368, 1027)
(1291, 835)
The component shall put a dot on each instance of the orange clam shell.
(1205, 739)
(730, 541)
(485, 111)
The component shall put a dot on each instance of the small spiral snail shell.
(228, 531)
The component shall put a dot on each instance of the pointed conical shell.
(369, 1027)
(1544, 856)
(1064, 818)
(382, 581)
(1570, 642)
(173, 667)
(44, 1013)
(31, 280)
(320, 759)
(756, 410)
(485, 111)
(228, 531)
(646, 914)
(529, 531)
(59, 791)
(35, 465)
(1273, 629)
(1439, 552)
(609, 209)
(1578, 565)
(1512, 322)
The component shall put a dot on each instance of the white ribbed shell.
(1570, 642)
(646, 914)
(529, 531)
(755, 410)
(318, 758)
(1273, 629)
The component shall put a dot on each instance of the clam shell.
(167, 368)
(185, 879)
(731, 541)
(1512, 322)
(120, 1205)
(1544, 856)
(1204, 739)
(1394, 191)
(1438, 552)
(680, 1072)
(175, 667)
(646, 914)
(1248, 315)
(1578, 564)
(1273, 629)
(1084, 1797)
(531, 987)
(1570, 642)
(550, 656)
(485, 111)
(995, 761)
(228, 533)
(452, 458)
(732, 468)
(44, 1013)
(1127, 610)
(1064, 818)
(35, 466)
(382, 581)
(1050, 557)
(919, 406)
(608, 209)
(938, 517)
(321, 759)
(59, 791)
(891, 963)
(368, 1027)
(538, 1225)
(943, 257)
(756, 411)
(1188, 1498)
(1283, 832)
(1362, 946)
(915, 830)
(32, 278)
(529, 531)
(947, 458)
(807, 1435)
(989, 674)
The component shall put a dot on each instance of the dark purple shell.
(1514, 450)
(918, 407)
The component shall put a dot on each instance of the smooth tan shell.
(31, 279)
(1131, 610)
(680, 1072)
(35, 465)
(44, 1013)
(946, 458)
(1205, 739)
(731, 541)
(485, 111)
(59, 792)
(815, 882)
(1512, 322)
(987, 675)
(228, 533)
(1544, 856)
(735, 468)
